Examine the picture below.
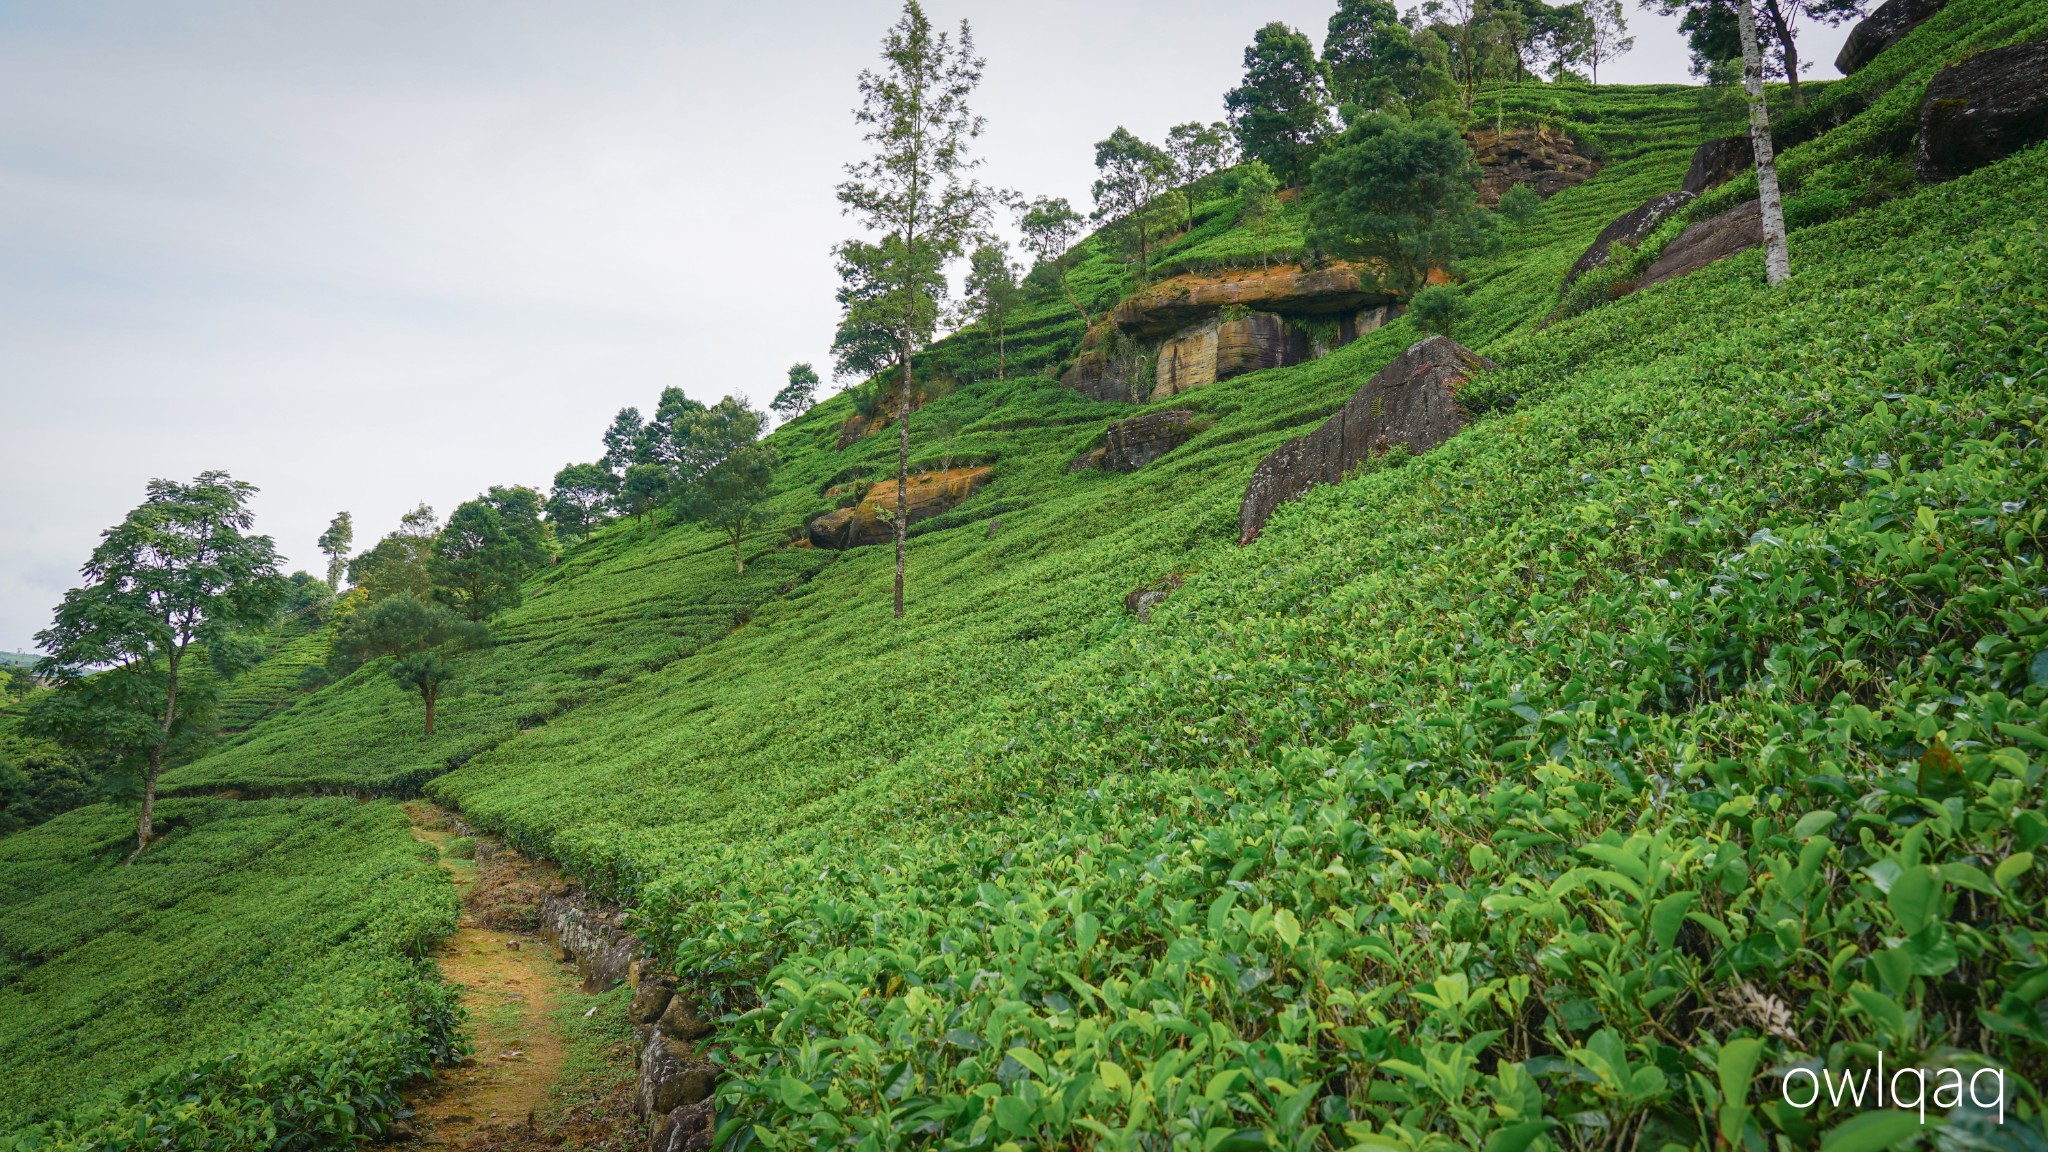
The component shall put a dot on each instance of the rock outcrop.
(868, 522)
(1221, 348)
(671, 1076)
(1718, 161)
(1736, 230)
(1546, 161)
(1412, 402)
(1289, 289)
(1884, 27)
(1128, 445)
(1984, 109)
(1629, 229)
(1110, 368)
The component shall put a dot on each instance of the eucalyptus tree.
(1050, 226)
(1777, 259)
(334, 544)
(180, 574)
(992, 295)
(915, 192)
(1132, 176)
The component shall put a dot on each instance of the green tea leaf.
(1872, 1132)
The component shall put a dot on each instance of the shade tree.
(335, 544)
(419, 636)
(1280, 111)
(489, 546)
(1049, 227)
(797, 396)
(581, 499)
(181, 575)
(1132, 177)
(398, 562)
(1402, 194)
(992, 296)
(732, 472)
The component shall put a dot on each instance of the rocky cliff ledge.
(869, 522)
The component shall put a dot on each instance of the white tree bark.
(1777, 260)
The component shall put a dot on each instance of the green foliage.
(645, 488)
(334, 543)
(418, 635)
(1399, 193)
(256, 981)
(490, 545)
(581, 499)
(1279, 112)
(798, 395)
(179, 575)
(1369, 58)
(730, 473)
(1438, 309)
(1520, 205)
(397, 565)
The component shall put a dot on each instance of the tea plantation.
(1676, 725)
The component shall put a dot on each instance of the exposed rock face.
(1546, 161)
(681, 1019)
(1630, 229)
(1141, 600)
(1718, 161)
(1109, 368)
(1412, 401)
(1289, 289)
(930, 493)
(1219, 349)
(592, 939)
(1128, 445)
(1984, 109)
(1736, 230)
(1884, 27)
(671, 1076)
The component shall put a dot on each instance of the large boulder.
(1630, 230)
(1736, 230)
(1884, 27)
(1128, 445)
(1984, 109)
(930, 493)
(683, 1020)
(1219, 348)
(1411, 402)
(1718, 161)
(1545, 160)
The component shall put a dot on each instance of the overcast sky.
(364, 254)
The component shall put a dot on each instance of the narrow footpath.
(511, 985)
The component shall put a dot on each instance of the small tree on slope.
(179, 571)
(418, 634)
(733, 473)
(915, 194)
(334, 544)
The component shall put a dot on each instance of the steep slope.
(1677, 719)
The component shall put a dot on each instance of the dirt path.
(511, 985)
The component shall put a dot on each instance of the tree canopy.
(732, 472)
(1280, 112)
(334, 544)
(581, 499)
(418, 634)
(1399, 193)
(489, 546)
(180, 571)
(798, 395)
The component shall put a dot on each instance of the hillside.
(1678, 720)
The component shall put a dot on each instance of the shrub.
(1438, 309)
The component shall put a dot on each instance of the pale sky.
(368, 253)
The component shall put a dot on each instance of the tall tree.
(1369, 58)
(1050, 226)
(1131, 176)
(798, 395)
(180, 570)
(582, 496)
(644, 488)
(489, 546)
(1777, 260)
(334, 544)
(1713, 31)
(1401, 193)
(398, 562)
(419, 635)
(1605, 33)
(1198, 150)
(732, 473)
(622, 441)
(664, 440)
(1481, 38)
(914, 191)
(1280, 112)
(992, 295)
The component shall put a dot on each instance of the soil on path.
(511, 984)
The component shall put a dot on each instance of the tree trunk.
(428, 695)
(145, 826)
(902, 520)
(1777, 260)
(1788, 48)
(738, 561)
